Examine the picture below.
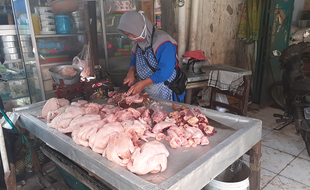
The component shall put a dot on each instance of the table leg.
(255, 166)
(188, 96)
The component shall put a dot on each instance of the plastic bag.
(223, 99)
(83, 60)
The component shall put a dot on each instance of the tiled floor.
(285, 162)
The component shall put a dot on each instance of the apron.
(159, 90)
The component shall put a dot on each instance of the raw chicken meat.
(110, 118)
(99, 141)
(79, 103)
(175, 141)
(69, 71)
(135, 130)
(159, 127)
(127, 114)
(52, 114)
(119, 149)
(150, 158)
(51, 105)
(88, 130)
(134, 99)
(80, 121)
(93, 108)
(63, 120)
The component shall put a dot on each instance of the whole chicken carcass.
(93, 108)
(80, 121)
(86, 131)
(150, 158)
(53, 104)
(63, 120)
(119, 149)
(99, 141)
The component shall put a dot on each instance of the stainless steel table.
(187, 167)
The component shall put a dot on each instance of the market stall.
(194, 167)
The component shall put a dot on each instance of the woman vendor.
(154, 57)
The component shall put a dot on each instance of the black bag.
(178, 85)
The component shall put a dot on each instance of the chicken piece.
(80, 121)
(159, 127)
(204, 140)
(175, 141)
(150, 158)
(134, 99)
(159, 116)
(112, 93)
(127, 114)
(148, 134)
(192, 121)
(119, 149)
(74, 133)
(99, 141)
(93, 108)
(52, 114)
(68, 71)
(79, 103)
(63, 102)
(135, 131)
(179, 130)
(160, 136)
(88, 130)
(51, 105)
(192, 142)
(63, 120)
(196, 133)
(110, 118)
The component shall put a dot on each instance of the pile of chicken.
(116, 133)
(125, 101)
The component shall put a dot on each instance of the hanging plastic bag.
(83, 60)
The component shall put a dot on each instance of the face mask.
(144, 29)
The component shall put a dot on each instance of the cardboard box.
(307, 5)
(148, 8)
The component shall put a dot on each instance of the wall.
(298, 7)
(217, 29)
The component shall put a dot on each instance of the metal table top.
(191, 77)
(194, 167)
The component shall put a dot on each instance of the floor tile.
(274, 160)
(283, 183)
(290, 130)
(265, 177)
(265, 132)
(284, 143)
(304, 154)
(298, 170)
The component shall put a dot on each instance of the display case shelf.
(55, 64)
(58, 35)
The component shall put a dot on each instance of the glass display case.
(49, 45)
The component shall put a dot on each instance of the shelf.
(10, 99)
(58, 35)
(55, 64)
(11, 80)
(12, 61)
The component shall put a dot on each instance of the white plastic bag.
(223, 99)
(83, 60)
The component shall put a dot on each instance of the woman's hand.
(130, 78)
(139, 86)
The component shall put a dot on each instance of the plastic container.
(118, 75)
(63, 24)
(235, 177)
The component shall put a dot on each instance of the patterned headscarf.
(133, 22)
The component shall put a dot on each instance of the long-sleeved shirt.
(166, 59)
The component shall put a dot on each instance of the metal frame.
(240, 135)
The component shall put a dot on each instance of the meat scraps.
(125, 101)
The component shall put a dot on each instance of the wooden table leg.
(255, 166)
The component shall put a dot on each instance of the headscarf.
(133, 23)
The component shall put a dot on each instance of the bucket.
(235, 177)
(118, 75)
(63, 24)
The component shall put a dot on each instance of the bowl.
(64, 6)
(118, 75)
(68, 80)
